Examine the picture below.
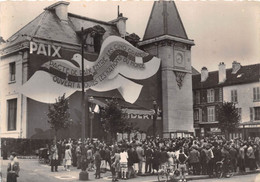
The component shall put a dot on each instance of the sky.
(223, 31)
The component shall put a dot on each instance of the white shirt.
(123, 156)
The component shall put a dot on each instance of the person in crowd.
(204, 159)
(68, 157)
(140, 153)
(182, 158)
(251, 157)
(74, 155)
(194, 159)
(54, 157)
(116, 164)
(108, 156)
(148, 161)
(225, 158)
(241, 158)
(233, 157)
(164, 157)
(210, 158)
(123, 163)
(78, 155)
(97, 159)
(130, 161)
(90, 158)
(156, 159)
(12, 169)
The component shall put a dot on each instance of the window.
(256, 93)
(257, 113)
(211, 114)
(210, 95)
(12, 112)
(197, 97)
(196, 115)
(233, 95)
(12, 71)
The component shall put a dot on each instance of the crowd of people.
(125, 159)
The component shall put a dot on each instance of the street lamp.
(155, 107)
(83, 175)
(91, 116)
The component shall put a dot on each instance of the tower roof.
(164, 20)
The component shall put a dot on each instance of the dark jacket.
(194, 156)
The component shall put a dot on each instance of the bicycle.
(220, 170)
(168, 173)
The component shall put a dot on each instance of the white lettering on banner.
(46, 50)
(117, 63)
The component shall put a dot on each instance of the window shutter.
(204, 114)
(251, 114)
(200, 115)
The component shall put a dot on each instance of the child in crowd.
(123, 163)
(67, 158)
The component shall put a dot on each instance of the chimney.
(120, 24)
(204, 74)
(235, 67)
(61, 10)
(222, 72)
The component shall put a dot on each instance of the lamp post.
(83, 175)
(91, 117)
(155, 107)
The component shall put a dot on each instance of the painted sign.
(117, 63)
(140, 114)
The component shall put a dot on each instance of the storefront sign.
(250, 126)
(117, 63)
(140, 114)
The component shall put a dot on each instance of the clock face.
(179, 58)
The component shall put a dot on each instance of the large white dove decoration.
(117, 63)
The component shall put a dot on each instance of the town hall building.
(54, 34)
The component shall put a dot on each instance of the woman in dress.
(68, 158)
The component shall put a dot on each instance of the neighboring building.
(240, 85)
(53, 35)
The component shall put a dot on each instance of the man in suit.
(13, 169)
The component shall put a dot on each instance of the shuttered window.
(211, 114)
(12, 114)
(234, 96)
(256, 93)
(257, 113)
(210, 95)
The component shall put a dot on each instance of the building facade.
(239, 85)
(54, 35)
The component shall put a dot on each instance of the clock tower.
(166, 38)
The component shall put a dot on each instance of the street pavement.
(32, 171)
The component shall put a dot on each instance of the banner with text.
(117, 63)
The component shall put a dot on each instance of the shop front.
(250, 129)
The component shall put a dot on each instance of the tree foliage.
(114, 119)
(58, 114)
(228, 117)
